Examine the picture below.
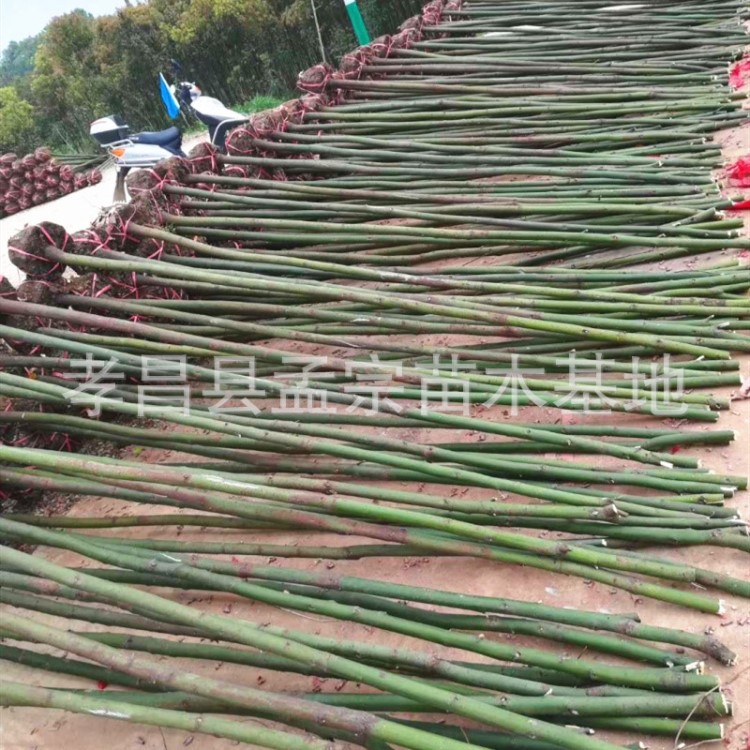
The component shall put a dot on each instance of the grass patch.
(260, 103)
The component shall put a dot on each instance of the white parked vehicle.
(145, 149)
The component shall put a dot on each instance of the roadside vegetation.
(81, 67)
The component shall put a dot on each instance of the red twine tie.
(739, 172)
(739, 73)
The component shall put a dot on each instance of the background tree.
(17, 59)
(16, 121)
(80, 67)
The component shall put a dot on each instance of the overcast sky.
(22, 18)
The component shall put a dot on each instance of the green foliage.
(64, 94)
(261, 102)
(16, 121)
(17, 59)
(82, 67)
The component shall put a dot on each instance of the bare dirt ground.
(31, 729)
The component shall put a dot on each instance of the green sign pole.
(358, 23)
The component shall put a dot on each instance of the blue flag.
(170, 102)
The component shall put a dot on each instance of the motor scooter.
(145, 149)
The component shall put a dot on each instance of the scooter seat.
(168, 137)
(212, 112)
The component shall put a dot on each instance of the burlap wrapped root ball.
(143, 209)
(38, 178)
(240, 142)
(315, 80)
(94, 176)
(38, 291)
(175, 169)
(204, 158)
(31, 291)
(28, 250)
